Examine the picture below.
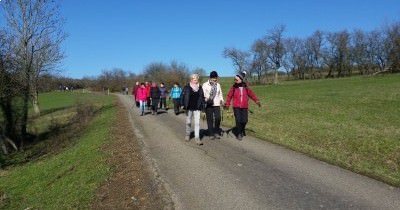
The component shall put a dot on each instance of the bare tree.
(239, 58)
(37, 28)
(8, 92)
(360, 52)
(392, 44)
(156, 72)
(313, 47)
(259, 63)
(378, 53)
(274, 40)
(295, 57)
(338, 56)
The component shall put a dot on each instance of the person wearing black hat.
(239, 93)
(214, 99)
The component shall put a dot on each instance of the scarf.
(194, 86)
(213, 90)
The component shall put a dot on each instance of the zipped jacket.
(240, 94)
(185, 97)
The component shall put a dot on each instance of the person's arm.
(253, 97)
(220, 94)
(229, 98)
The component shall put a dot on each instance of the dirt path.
(248, 174)
(133, 184)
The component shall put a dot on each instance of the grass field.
(351, 122)
(69, 178)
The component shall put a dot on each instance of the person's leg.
(245, 115)
(210, 120)
(175, 105)
(155, 105)
(217, 115)
(196, 115)
(188, 124)
(236, 113)
(164, 103)
(148, 103)
(142, 107)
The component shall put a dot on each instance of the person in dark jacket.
(192, 100)
(163, 98)
(155, 95)
(240, 92)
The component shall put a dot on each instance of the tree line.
(320, 55)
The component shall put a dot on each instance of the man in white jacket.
(214, 99)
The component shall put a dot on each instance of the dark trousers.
(241, 119)
(154, 105)
(148, 102)
(136, 101)
(176, 105)
(163, 102)
(213, 115)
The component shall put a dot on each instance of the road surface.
(248, 174)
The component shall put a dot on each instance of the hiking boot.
(187, 138)
(239, 137)
(198, 142)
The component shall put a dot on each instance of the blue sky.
(131, 34)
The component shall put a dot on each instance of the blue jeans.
(142, 106)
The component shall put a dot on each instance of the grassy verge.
(67, 179)
(351, 122)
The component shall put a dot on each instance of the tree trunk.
(35, 104)
(276, 77)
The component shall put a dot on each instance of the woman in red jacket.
(240, 92)
(141, 96)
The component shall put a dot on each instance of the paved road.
(249, 174)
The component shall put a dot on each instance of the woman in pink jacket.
(141, 96)
(240, 92)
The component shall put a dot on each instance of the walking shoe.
(198, 142)
(187, 138)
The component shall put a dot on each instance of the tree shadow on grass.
(56, 138)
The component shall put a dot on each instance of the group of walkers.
(195, 98)
(151, 96)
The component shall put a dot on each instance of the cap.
(241, 75)
(213, 74)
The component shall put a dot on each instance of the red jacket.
(148, 89)
(141, 94)
(240, 98)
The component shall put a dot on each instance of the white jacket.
(218, 99)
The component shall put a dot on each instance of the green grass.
(351, 122)
(66, 180)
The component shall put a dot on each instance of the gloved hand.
(258, 104)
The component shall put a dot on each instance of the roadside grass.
(68, 177)
(350, 122)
